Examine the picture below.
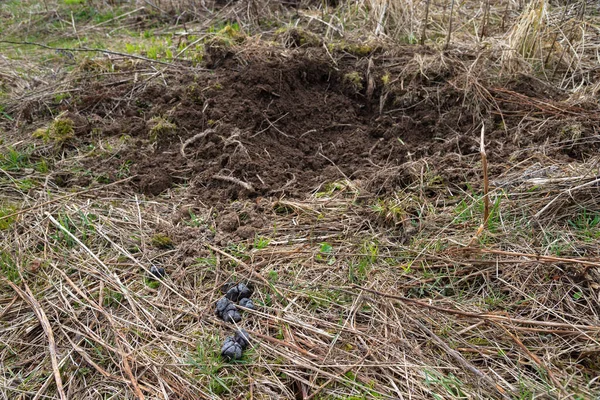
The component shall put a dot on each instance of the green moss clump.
(152, 284)
(160, 127)
(356, 49)
(59, 131)
(386, 79)
(232, 32)
(162, 241)
(355, 80)
(297, 37)
(571, 131)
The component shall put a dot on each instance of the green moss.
(385, 79)
(571, 131)
(59, 131)
(160, 127)
(233, 32)
(5, 222)
(356, 49)
(161, 241)
(297, 37)
(355, 79)
(152, 284)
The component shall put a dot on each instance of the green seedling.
(112, 298)
(261, 242)
(325, 253)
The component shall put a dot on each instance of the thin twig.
(486, 182)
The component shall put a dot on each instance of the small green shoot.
(261, 242)
(9, 268)
(325, 253)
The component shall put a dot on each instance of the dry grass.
(348, 309)
(358, 296)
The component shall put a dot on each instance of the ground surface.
(338, 171)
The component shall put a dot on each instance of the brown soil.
(276, 124)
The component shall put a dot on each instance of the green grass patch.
(9, 268)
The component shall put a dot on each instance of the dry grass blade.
(45, 323)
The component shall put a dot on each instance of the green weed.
(261, 242)
(156, 49)
(472, 212)
(14, 160)
(4, 114)
(330, 188)
(208, 366)
(194, 220)
(586, 225)
(325, 253)
(112, 298)
(80, 226)
(207, 261)
(238, 251)
(450, 384)
(359, 268)
(273, 276)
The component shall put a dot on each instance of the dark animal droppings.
(242, 338)
(247, 303)
(238, 292)
(226, 286)
(231, 349)
(227, 311)
(157, 272)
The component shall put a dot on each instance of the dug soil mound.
(283, 123)
(265, 127)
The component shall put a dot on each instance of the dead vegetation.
(380, 271)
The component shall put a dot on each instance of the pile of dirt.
(267, 127)
(275, 124)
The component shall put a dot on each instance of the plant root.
(237, 181)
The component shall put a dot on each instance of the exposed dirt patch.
(283, 123)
